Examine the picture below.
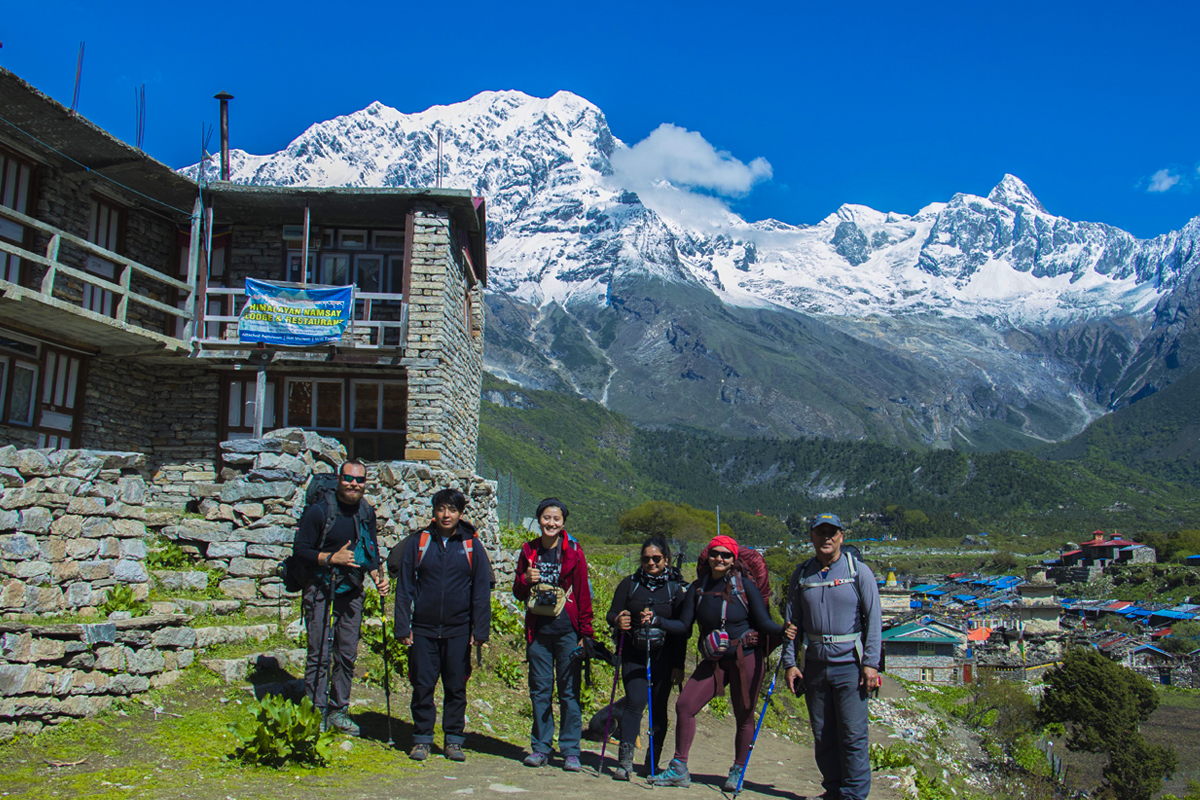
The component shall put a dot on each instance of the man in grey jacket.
(834, 600)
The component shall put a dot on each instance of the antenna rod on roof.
(78, 77)
(439, 163)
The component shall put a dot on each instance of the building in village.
(1039, 610)
(927, 651)
(121, 281)
(1085, 562)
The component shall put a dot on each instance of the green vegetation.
(165, 554)
(283, 732)
(670, 521)
(602, 465)
(122, 598)
(1102, 703)
(1156, 436)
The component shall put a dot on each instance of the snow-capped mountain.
(974, 322)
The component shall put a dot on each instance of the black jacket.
(345, 529)
(739, 617)
(444, 597)
(633, 596)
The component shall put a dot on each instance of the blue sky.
(892, 105)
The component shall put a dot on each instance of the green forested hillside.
(1159, 435)
(602, 465)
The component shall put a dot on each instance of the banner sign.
(294, 315)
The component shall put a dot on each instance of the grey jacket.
(832, 610)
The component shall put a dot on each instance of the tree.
(1102, 703)
(1005, 708)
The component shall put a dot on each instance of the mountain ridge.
(1033, 324)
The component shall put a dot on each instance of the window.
(927, 675)
(926, 649)
(374, 262)
(379, 406)
(104, 230)
(314, 404)
(20, 402)
(16, 177)
(243, 399)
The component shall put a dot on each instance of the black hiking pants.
(449, 659)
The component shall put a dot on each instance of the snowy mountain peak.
(1012, 192)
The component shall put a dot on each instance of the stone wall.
(166, 411)
(250, 518)
(72, 525)
(445, 347)
(53, 673)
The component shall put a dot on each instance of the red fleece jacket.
(574, 574)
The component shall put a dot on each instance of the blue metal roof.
(966, 598)
(1173, 614)
(924, 587)
(935, 593)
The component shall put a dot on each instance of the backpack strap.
(836, 638)
(468, 548)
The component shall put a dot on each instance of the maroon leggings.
(710, 680)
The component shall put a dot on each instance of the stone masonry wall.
(72, 525)
(251, 517)
(445, 363)
(53, 673)
(166, 411)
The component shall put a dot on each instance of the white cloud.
(679, 175)
(1162, 180)
(684, 159)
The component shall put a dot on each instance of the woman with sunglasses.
(552, 580)
(733, 618)
(656, 589)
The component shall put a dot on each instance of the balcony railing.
(124, 294)
(380, 320)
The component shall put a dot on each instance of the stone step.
(232, 670)
(233, 634)
(197, 608)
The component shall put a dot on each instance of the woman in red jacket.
(552, 580)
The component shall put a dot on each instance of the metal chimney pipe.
(224, 97)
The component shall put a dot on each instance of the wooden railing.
(369, 330)
(125, 268)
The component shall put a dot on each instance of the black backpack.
(297, 575)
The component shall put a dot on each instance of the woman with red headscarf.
(732, 617)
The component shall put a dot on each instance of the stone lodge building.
(120, 286)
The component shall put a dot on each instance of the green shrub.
(167, 555)
(397, 654)
(281, 732)
(122, 598)
(509, 670)
(213, 590)
(505, 622)
(888, 758)
(719, 706)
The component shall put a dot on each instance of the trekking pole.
(387, 677)
(330, 638)
(767, 702)
(611, 697)
(650, 708)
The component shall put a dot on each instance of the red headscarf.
(728, 542)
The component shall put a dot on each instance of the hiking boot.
(735, 775)
(454, 751)
(420, 751)
(536, 759)
(571, 764)
(676, 775)
(339, 720)
(624, 770)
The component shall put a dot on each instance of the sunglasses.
(353, 479)
(723, 555)
(652, 559)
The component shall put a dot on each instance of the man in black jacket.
(350, 552)
(443, 607)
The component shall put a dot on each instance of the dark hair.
(661, 544)
(355, 461)
(449, 497)
(552, 502)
